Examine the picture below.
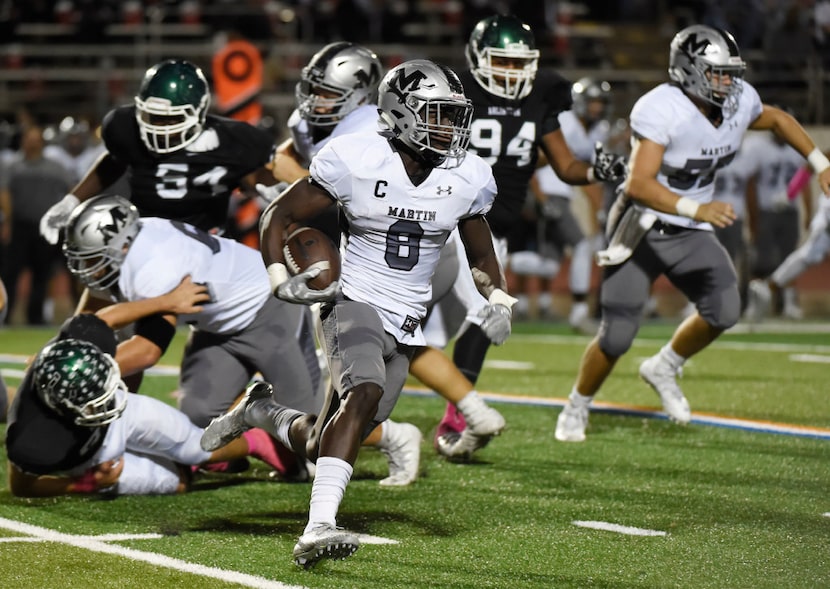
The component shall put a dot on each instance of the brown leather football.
(307, 247)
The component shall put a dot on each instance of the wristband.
(277, 274)
(818, 161)
(499, 297)
(590, 175)
(686, 207)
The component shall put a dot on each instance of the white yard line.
(95, 544)
(627, 530)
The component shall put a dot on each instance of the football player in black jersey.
(516, 106)
(183, 162)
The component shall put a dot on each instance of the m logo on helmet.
(403, 82)
(110, 230)
(691, 46)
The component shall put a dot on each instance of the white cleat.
(571, 423)
(759, 300)
(483, 424)
(221, 430)
(403, 453)
(324, 542)
(664, 381)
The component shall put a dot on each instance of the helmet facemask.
(166, 128)
(508, 73)
(79, 381)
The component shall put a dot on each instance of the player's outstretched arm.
(185, 299)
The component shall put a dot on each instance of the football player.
(183, 163)
(242, 330)
(337, 95)
(583, 126)
(811, 252)
(774, 218)
(683, 132)
(516, 108)
(403, 191)
(74, 428)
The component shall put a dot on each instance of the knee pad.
(721, 309)
(617, 331)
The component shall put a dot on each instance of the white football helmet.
(171, 105)
(78, 381)
(503, 38)
(349, 72)
(422, 103)
(706, 63)
(587, 90)
(98, 233)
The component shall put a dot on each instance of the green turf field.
(716, 507)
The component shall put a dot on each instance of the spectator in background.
(33, 184)
(821, 32)
(76, 149)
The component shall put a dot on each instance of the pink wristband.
(85, 483)
(798, 181)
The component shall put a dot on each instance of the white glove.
(608, 167)
(268, 194)
(296, 290)
(496, 325)
(56, 217)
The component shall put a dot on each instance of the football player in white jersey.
(74, 428)
(337, 95)
(402, 191)
(242, 330)
(585, 125)
(683, 132)
(774, 218)
(814, 249)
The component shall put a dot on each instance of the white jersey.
(151, 437)
(773, 165)
(363, 118)
(731, 181)
(165, 251)
(694, 148)
(581, 142)
(397, 229)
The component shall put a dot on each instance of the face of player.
(721, 83)
(325, 101)
(595, 110)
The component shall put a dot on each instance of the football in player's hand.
(306, 248)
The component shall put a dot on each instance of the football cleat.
(232, 424)
(663, 379)
(571, 423)
(403, 452)
(460, 447)
(324, 542)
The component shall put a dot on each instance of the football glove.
(496, 322)
(608, 167)
(296, 290)
(56, 217)
(267, 194)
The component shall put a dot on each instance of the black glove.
(608, 167)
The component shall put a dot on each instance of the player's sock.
(327, 491)
(271, 452)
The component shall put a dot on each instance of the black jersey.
(507, 134)
(38, 441)
(193, 184)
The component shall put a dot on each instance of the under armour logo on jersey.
(441, 190)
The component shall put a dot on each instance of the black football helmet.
(348, 73)
(707, 64)
(422, 103)
(171, 105)
(78, 381)
(496, 42)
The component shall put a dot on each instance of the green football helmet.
(78, 381)
(502, 56)
(171, 105)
